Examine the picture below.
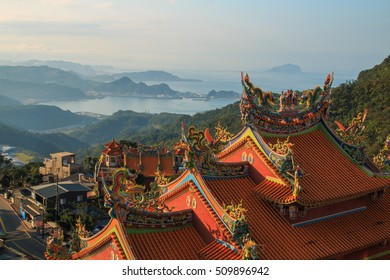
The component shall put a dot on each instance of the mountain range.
(32, 84)
(370, 90)
(150, 75)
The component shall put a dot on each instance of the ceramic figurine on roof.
(263, 98)
(353, 136)
(259, 109)
(54, 246)
(200, 150)
(354, 133)
(382, 159)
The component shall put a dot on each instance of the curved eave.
(251, 137)
(113, 231)
(275, 192)
(333, 176)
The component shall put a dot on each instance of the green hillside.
(44, 75)
(156, 128)
(371, 90)
(6, 101)
(29, 92)
(43, 144)
(40, 117)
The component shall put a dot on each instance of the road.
(19, 236)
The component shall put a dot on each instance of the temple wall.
(203, 222)
(258, 170)
(329, 211)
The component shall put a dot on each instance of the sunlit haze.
(211, 35)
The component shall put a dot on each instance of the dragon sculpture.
(54, 247)
(382, 159)
(280, 147)
(236, 212)
(264, 98)
(354, 133)
(249, 249)
(311, 96)
(200, 147)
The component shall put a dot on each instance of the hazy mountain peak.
(286, 68)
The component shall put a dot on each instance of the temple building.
(285, 187)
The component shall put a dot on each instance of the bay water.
(209, 80)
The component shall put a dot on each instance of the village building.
(62, 164)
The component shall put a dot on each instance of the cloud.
(102, 6)
(25, 47)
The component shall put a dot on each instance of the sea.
(207, 81)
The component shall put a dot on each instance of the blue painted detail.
(247, 126)
(208, 177)
(227, 245)
(330, 216)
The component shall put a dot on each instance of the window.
(112, 161)
(80, 198)
(63, 201)
(243, 157)
(250, 158)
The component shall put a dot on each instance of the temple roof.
(112, 148)
(330, 175)
(285, 112)
(324, 239)
(179, 243)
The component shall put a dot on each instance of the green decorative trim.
(268, 134)
(378, 255)
(155, 230)
(382, 175)
(337, 145)
(113, 230)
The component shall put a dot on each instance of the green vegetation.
(24, 175)
(34, 92)
(43, 144)
(156, 128)
(40, 117)
(371, 90)
(24, 156)
(6, 101)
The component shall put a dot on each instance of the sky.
(331, 35)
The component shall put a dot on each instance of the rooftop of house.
(62, 154)
(50, 190)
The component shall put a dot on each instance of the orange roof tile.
(324, 239)
(216, 251)
(330, 175)
(275, 192)
(183, 243)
